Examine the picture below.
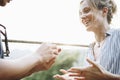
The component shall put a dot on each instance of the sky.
(47, 21)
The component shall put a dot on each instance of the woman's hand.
(92, 72)
(66, 76)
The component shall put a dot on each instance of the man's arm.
(42, 59)
(14, 69)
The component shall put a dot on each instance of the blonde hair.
(100, 4)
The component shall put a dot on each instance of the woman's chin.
(87, 28)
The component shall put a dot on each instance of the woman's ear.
(105, 11)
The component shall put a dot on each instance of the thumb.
(63, 71)
(91, 62)
(94, 64)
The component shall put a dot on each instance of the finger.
(79, 78)
(63, 71)
(52, 59)
(74, 74)
(55, 52)
(79, 74)
(50, 63)
(55, 47)
(76, 69)
(95, 64)
(91, 62)
(58, 77)
(59, 49)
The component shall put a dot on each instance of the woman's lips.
(86, 22)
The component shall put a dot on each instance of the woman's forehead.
(84, 4)
(87, 3)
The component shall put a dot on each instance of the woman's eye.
(86, 10)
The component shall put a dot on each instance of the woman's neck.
(100, 35)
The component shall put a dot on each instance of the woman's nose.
(83, 16)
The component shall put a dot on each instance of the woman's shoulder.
(114, 31)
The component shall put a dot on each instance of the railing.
(7, 52)
(37, 42)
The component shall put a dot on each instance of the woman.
(96, 15)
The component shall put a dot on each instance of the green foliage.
(64, 61)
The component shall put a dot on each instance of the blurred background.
(55, 21)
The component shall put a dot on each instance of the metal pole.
(37, 42)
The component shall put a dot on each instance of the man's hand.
(47, 53)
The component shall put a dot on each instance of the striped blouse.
(109, 52)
